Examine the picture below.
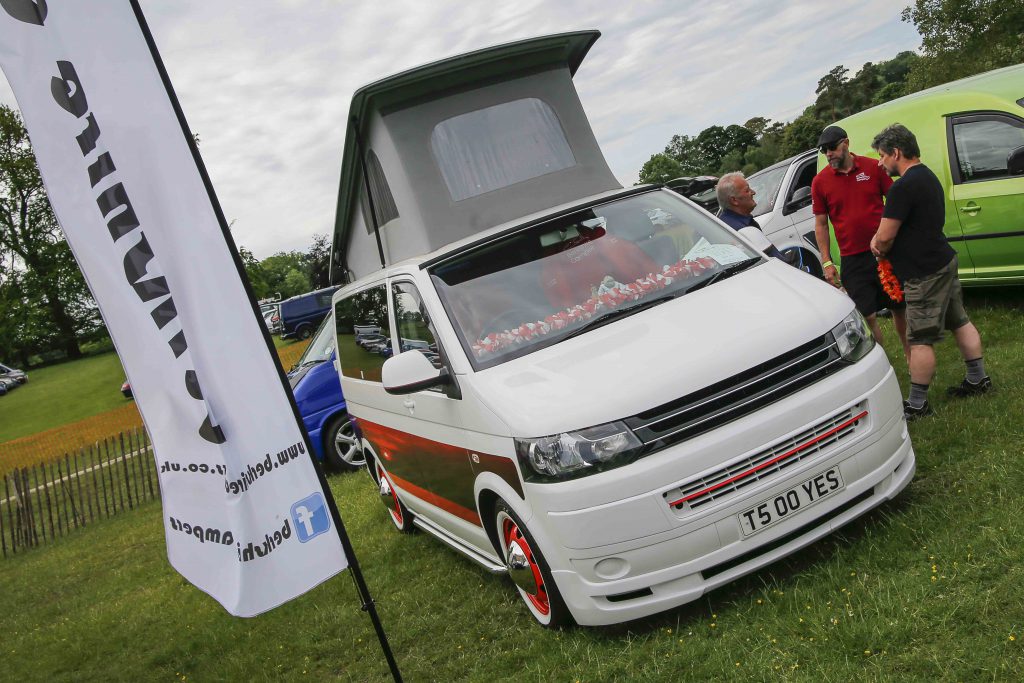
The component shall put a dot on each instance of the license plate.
(788, 503)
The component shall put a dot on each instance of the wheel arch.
(489, 488)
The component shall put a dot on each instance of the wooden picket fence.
(41, 502)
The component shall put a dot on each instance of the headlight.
(573, 454)
(853, 337)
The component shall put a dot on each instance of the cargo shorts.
(934, 303)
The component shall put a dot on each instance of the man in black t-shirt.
(910, 236)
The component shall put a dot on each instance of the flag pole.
(364, 591)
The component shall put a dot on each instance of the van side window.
(804, 176)
(983, 142)
(361, 350)
(498, 146)
(414, 332)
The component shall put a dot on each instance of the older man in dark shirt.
(736, 199)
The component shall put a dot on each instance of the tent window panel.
(383, 200)
(492, 148)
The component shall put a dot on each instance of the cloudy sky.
(267, 83)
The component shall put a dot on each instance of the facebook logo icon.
(310, 517)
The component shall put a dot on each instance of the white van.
(615, 399)
(784, 206)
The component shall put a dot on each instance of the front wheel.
(341, 445)
(304, 333)
(528, 569)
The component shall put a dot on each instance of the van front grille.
(766, 463)
(736, 396)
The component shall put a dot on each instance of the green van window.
(983, 143)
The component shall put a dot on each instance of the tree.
(254, 272)
(757, 125)
(660, 168)
(278, 267)
(41, 279)
(683, 149)
(802, 134)
(319, 259)
(832, 94)
(964, 37)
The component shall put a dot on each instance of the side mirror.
(801, 198)
(411, 371)
(1015, 161)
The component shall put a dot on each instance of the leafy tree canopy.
(47, 305)
(960, 38)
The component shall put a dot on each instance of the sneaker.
(912, 413)
(966, 389)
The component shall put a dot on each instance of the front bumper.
(635, 554)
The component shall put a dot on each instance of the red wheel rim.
(396, 507)
(512, 534)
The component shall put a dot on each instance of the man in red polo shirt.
(849, 192)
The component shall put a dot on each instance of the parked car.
(6, 385)
(634, 405)
(366, 341)
(783, 210)
(300, 315)
(783, 194)
(690, 186)
(971, 134)
(126, 389)
(366, 330)
(19, 376)
(314, 382)
(272, 319)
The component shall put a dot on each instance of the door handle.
(971, 209)
(410, 404)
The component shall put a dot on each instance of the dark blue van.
(301, 314)
(317, 391)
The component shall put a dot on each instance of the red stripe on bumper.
(788, 454)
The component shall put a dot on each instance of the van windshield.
(321, 345)
(540, 285)
(766, 184)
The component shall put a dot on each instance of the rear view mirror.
(411, 371)
(801, 198)
(1015, 161)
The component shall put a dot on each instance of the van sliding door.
(989, 201)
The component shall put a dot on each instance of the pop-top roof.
(440, 79)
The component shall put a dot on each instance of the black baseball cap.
(831, 135)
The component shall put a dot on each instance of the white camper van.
(612, 397)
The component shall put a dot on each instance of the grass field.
(925, 588)
(67, 406)
(82, 388)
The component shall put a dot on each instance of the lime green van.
(971, 134)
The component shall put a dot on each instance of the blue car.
(317, 391)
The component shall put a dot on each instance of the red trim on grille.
(768, 463)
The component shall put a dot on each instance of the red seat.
(570, 276)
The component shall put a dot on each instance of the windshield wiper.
(618, 313)
(728, 271)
